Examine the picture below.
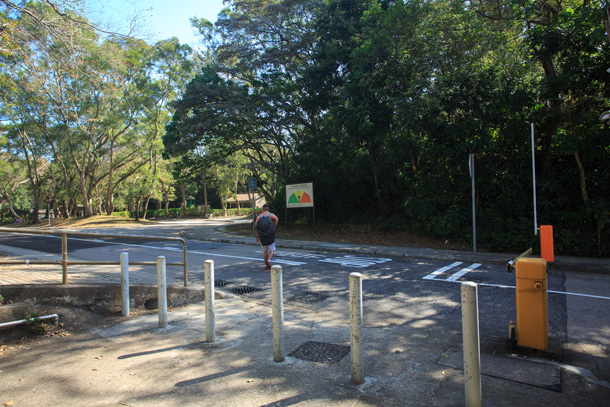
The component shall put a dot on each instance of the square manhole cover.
(322, 352)
(308, 297)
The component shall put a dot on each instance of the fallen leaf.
(443, 372)
(95, 368)
(22, 379)
(9, 403)
(250, 381)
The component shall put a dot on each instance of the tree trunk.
(183, 193)
(146, 201)
(137, 210)
(165, 209)
(110, 196)
(583, 179)
(223, 199)
(32, 172)
(223, 204)
(64, 210)
(205, 194)
(237, 198)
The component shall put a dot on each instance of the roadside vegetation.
(378, 103)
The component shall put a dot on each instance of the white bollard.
(210, 317)
(356, 322)
(277, 306)
(125, 284)
(162, 291)
(472, 351)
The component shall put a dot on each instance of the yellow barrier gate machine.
(531, 329)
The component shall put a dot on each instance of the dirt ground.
(360, 234)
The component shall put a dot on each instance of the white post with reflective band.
(162, 291)
(356, 323)
(125, 284)
(471, 346)
(277, 307)
(210, 317)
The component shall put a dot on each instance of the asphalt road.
(319, 280)
(412, 318)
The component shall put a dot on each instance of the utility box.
(531, 300)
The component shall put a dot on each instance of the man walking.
(264, 227)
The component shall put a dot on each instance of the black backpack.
(266, 230)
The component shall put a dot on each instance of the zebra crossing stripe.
(453, 277)
(463, 271)
(432, 275)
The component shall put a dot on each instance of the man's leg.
(266, 258)
(271, 248)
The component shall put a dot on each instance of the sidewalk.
(129, 361)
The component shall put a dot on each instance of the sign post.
(474, 208)
(534, 182)
(252, 187)
(48, 201)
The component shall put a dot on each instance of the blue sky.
(158, 19)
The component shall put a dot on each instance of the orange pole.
(546, 243)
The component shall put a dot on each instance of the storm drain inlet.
(244, 289)
(221, 283)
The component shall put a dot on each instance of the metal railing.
(64, 250)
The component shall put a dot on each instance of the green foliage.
(378, 103)
(191, 212)
(34, 323)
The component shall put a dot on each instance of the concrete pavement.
(129, 361)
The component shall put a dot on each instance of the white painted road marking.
(432, 275)
(453, 277)
(346, 261)
(356, 262)
(463, 271)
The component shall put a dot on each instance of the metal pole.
(474, 209)
(253, 210)
(277, 306)
(184, 265)
(356, 322)
(472, 352)
(125, 284)
(49, 214)
(64, 258)
(162, 291)
(534, 183)
(210, 317)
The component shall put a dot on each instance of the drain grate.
(308, 297)
(244, 289)
(322, 352)
(221, 283)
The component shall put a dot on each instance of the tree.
(249, 98)
(12, 175)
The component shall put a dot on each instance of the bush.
(177, 212)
